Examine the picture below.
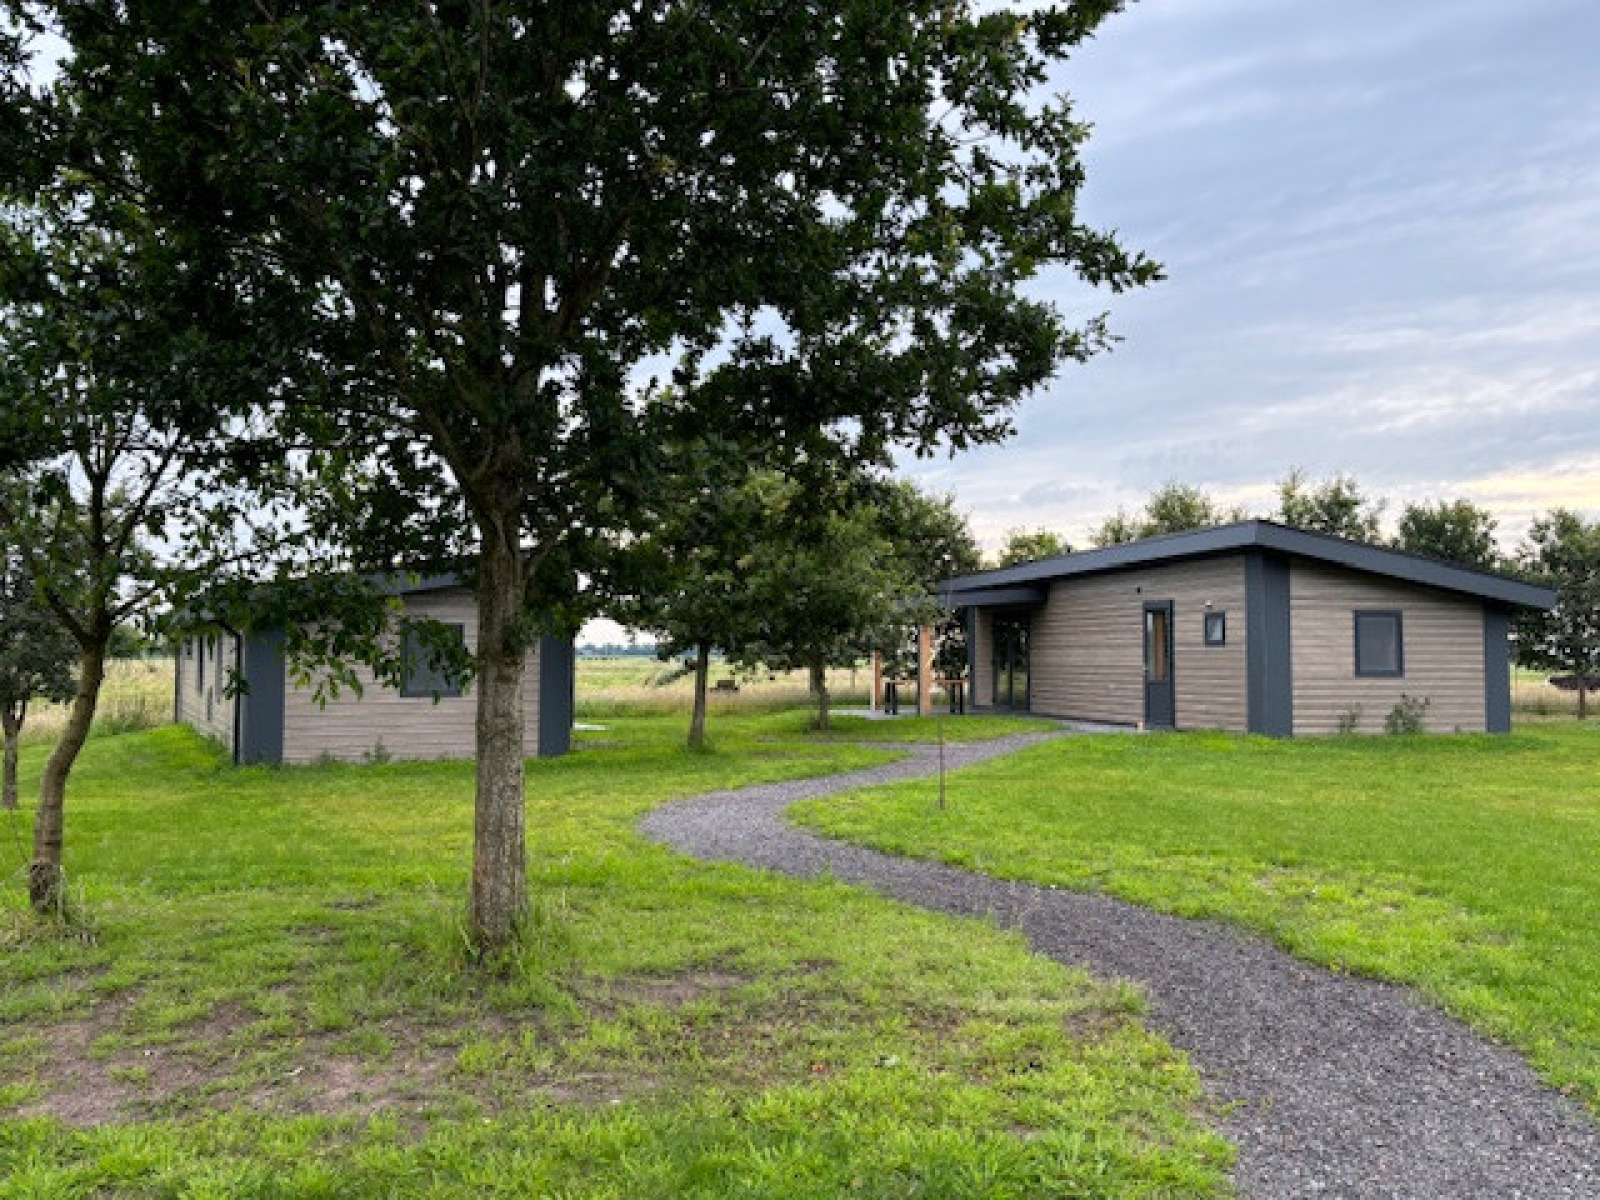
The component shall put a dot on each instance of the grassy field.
(638, 686)
(269, 998)
(1466, 866)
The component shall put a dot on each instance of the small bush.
(1350, 720)
(1406, 716)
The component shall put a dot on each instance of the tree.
(685, 578)
(492, 214)
(1172, 508)
(1029, 545)
(103, 492)
(1456, 530)
(930, 542)
(1563, 552)
(826, 589)
(1121, 526)
(1337, 506)
(36, 658)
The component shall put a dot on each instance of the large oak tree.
(495, 214)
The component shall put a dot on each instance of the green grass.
(1466, 866)
(270, 998)
(794, 725)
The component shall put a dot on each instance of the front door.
(1160, 706)
(1010, 663)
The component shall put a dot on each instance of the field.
(266, 996)
(638, 686)
(1465, 866)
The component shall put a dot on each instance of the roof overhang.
(996, 597)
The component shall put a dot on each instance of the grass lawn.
(270, 1000)
(1466, 866)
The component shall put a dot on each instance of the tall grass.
(1533, 695)
(137, 695)
(643, 687)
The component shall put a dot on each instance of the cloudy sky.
(1381, 227)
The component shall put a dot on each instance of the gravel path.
(1337, 1087)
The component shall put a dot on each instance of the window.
(424, 675)
(1380, 649)
(1216, 629)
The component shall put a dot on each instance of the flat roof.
(1256, 535)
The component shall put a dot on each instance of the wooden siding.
(351, 727)
(202, 699)
(1088, 645)
(1442, 636)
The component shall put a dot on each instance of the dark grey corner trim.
(1269, 683)
(1496, 669)
(557, 695)
(260, 715)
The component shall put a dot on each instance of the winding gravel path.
(1337, 1087)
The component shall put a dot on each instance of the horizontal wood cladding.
(351, 727)
(1088, 644)
(204, 663)
(1442, 644)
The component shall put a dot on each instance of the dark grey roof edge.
(1266, 535)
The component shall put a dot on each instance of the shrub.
(1350, 719)
(1406, 716)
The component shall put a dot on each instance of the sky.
(1380, 223)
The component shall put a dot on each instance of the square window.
(1380, 649)
(1216, 629)
(424, 675)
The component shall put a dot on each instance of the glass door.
(1010, 661)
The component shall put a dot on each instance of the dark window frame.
(1220, 616)
(1398, 617)
(434, 684)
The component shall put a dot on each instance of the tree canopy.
(1172, 508)
(1455, 530)
(460, 233)
(1028, 545)
(1337, 505)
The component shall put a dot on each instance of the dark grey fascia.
(1263, 535)
(557, 695)
(1269, 677)
(1496, 669)
(259, 731)
(998, 597)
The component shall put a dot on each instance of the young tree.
(1455, 530)
(492, 213)
(36, 658)
(684, 578)
(101, 434)
(1563, 552)
(1028, 545)
(1337, 506)
(826, 589)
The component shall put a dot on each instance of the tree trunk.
(1583, 698)
(46, 882)
(819, 685)
(697, 723)
(499, 848)
(11, 723)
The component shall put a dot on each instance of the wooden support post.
(925, 670)
(877, 680)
